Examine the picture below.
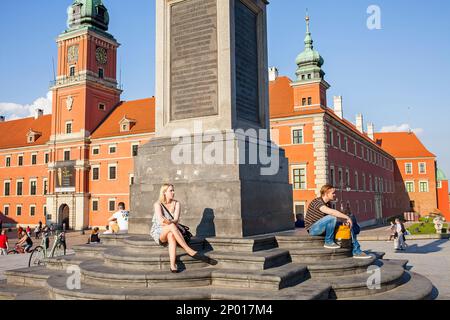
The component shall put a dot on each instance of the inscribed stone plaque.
(193, 59)
(247, 75)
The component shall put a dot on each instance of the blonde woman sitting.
(165, 230)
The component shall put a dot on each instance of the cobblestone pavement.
(430, 258)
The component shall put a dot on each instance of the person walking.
(393, 230)
(399, 242)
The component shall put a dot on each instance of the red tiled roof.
(281, 96)
(13, 134)
(142, 110)
(402, 145)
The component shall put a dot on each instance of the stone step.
(64, 262)
(248, 245)
(272, 279)
(414, 287)
(295, 241)
(334, 268)
(260, 260)
(356, 285)
(30, 277)
(147, 242)
(96, 273)
(14, 292)
(309, 290)
(90, 250)
(143, 259)
(316, 255)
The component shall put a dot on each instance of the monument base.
(219, 199)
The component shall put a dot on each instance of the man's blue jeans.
(327, 226)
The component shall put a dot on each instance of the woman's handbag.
(184, 230)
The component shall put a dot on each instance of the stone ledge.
(411, 237)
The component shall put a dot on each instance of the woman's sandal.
(174, 271)
(205, 259)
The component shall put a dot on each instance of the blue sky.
(398, 76)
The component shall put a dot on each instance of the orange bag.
(343, 233)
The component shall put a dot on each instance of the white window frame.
(101, 104)
(112, 146)
(44, 181)
(133, 145)
(364, 186)
(21, 210)
(300, 203)
(4, 188)
(406, 168)
(29, 190)
(425, 167)
(130, 177)
(74, 70)
(71, 127)
(4, 210)
(95, 148)
(356, 177)
(302, 128)
(31, 158)
(23, 160)
(420, 186)
(331, 137)
(115, 204)
(64, 153)
(347, 178)
(333, 178)
(117, 172)
(92, 174)
(339, 141)
(439, 184)
(413, 188)
(370, 183)
(297, 167)
(7, 157)
(46, 155)
(33, 206)
(17, 182)
(340, 181)
(98, 204)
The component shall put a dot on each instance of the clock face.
(72, 54)
(101, 55)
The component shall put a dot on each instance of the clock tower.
(84, 93)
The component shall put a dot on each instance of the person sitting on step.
(165, 230)
(321, 220)
(118, 222)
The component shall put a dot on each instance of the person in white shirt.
(120, 220)
(399, 242)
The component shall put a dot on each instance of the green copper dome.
(90, 13)
(441, 175)
(309, 62)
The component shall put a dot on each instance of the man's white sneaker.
(362, 255)
(331, 246)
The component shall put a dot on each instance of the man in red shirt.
(4, 243)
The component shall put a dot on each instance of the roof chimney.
(38, 113)
(273, 73)
(2, 118)
(338, 106)
(371, 131)
(360, 123)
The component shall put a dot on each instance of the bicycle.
(40, 253)
(16, 250)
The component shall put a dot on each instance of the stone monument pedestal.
(223, 200)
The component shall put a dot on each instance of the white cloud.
(402, 128)
(14, 111)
